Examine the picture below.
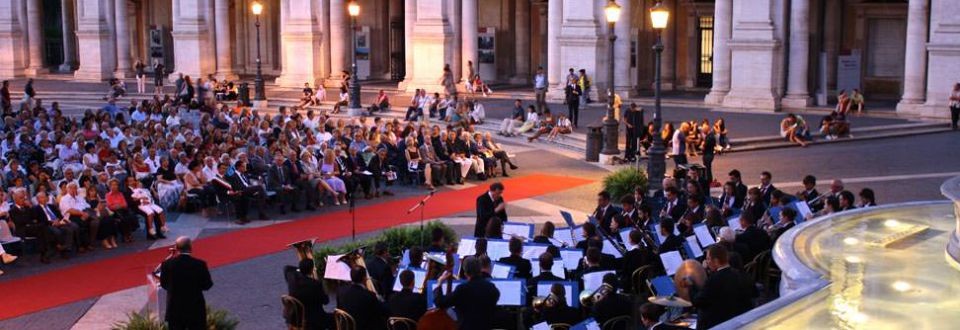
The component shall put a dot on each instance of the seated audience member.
(793, 129)
(726, 293)
(59, 228)
(360, 303)
(563, 127)
(609, 304)
(156, 218)
(406, 303)
(754, 238)
(76, 209)
(671, 242)
(309, 292)
(522, 266)
(382, 103)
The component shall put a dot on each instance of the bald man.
(185, 278)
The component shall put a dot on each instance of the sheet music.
(569, 288)
(432, 284)
(541, 326)
(564, 235)
(592, 281)
(418, 276)
(511, 292)
(501, 270)
(608, 248)
(803, 209)
(498, 248)
(734, 223)
(556, 270)
(671, 261)
(467, 247)
(524, 230)
(336, 270)
(588, 324)
(625, 236)
(694, 246)
(703, 235)
(571, 258)
(533, 251)
(405, 259)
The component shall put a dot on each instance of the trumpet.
(587, 298)
(304, 250)
(540, 303)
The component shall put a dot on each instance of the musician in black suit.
(280, 181)
(788, 217)
(490, 204)
(810, 193)
(522, 267)
(671, 242)
(546, 266)
(406, 303)
(560, 312)
(475, 301)
(754, 204)
(309, 291)
(766, 187)
(754, 238)
(605, 212)
(674, 206)
(629, 215)
(726, 293)
(693, 215)
(185, 278)
(650, 318)
(360, 303)
(612, 304)
(378, 266)
(244, 191)
(546, 233)
(739, 187)
(728, 199)
(589, 232)
(634, 259)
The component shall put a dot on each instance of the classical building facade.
(752, 54)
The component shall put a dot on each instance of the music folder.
(692, 247)
(663, 286)
(804, 210)
(418, 276)
(533, 251)
(502, 270)
(588, 324)
(592, 281)
(432, 285)
(564, 236)
(734, 223)
(336, 270)
(571, 258)
(570, 288)
(513, 292)
(498, 248)
(518, 229)
(568, 219)
(671, 261)
(467, 246)
(703, 234)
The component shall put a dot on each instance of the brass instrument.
(304, 250)
(355, 259)
(540, 303)
(587, 298)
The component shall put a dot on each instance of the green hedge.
(623, 182)
(217, 319)
(397, 239)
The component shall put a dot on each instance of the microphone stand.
(420, 205)
(353, 218)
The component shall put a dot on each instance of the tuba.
(587, 298)
(304, 250)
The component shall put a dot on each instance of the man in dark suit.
(360, 303)
(766, 186)
(638, 257)
(629, 216)
(605, 212)
(650, 318)
(185, 278)
(280, 180)
(522, 267)
(560, 312)
(671, 242)
(309, 291)
(407, 303)
(546, 266)
(244, 192)
(674, 206)
(59, 230)
(739, 187)
(489, 205)
(378, 266)
(474, 301)
(810, 193)
(708, 146)
(754, 238)
(612, 304)
(726, 293)
(788, 217)
(27, 223)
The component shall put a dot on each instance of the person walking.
(540, 89)
(572, 92)
(185, 278)
(955, 106)
(141, 76)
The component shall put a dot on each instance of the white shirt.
(540, 81)
(209, 173)
(69, 202)
(676, 142)
(532, 117)
(138, 116)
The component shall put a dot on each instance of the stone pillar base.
(913, 107)
(715, 97)
(66, 67)
(356, 112)
(229, 76)
(260, 104)
(752, 101)
(124, 74)
(608, 159)
(797, 101)
(33, 72)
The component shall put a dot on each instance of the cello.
(438, 318)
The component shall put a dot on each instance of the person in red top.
(117, 203)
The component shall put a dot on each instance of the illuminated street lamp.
(656, 166)
(611, 125)
(257, 8)
(354, 9)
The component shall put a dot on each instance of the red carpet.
(54, 288)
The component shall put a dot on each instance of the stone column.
(432, 44)
(123, 39)
(469, 30)
(798, 92)
(300, 41)
(97, 54)
(194, 52)
(621, 56)
(224, 41)
(915, 59)
(409, 21)
(324, 15)
(395, 15)
(68, 19)
(831, 41)
(339, 41)
(722, 23)
(521, 42)
(12, 61)
(943, 53)
(456, 22)
(555, 72)
(668, 64)
(34, 38)
(753, 49)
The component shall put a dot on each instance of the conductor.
(185, 278)
(490, 205)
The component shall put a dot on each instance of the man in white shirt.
(540, 89)
(679, 145)
(75, 208)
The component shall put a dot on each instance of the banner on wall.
(848, 71)
(487, 56)
(362, 52)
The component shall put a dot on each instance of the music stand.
(420, 205)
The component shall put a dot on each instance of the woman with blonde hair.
(331, 175)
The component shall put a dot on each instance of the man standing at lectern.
(490, 205)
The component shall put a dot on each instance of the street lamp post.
(260, 96)
(656, 166)
(354, 9)
(611, 125)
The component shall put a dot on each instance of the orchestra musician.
(555, 308)
(605, 212)
(490, 205)
(407, 303)
(475, 301)
(522, 266)
(362, 304)
(309, 291)
(637, 257)
(608, 303)
(378, 266)
(629, 216)
(546, 233)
